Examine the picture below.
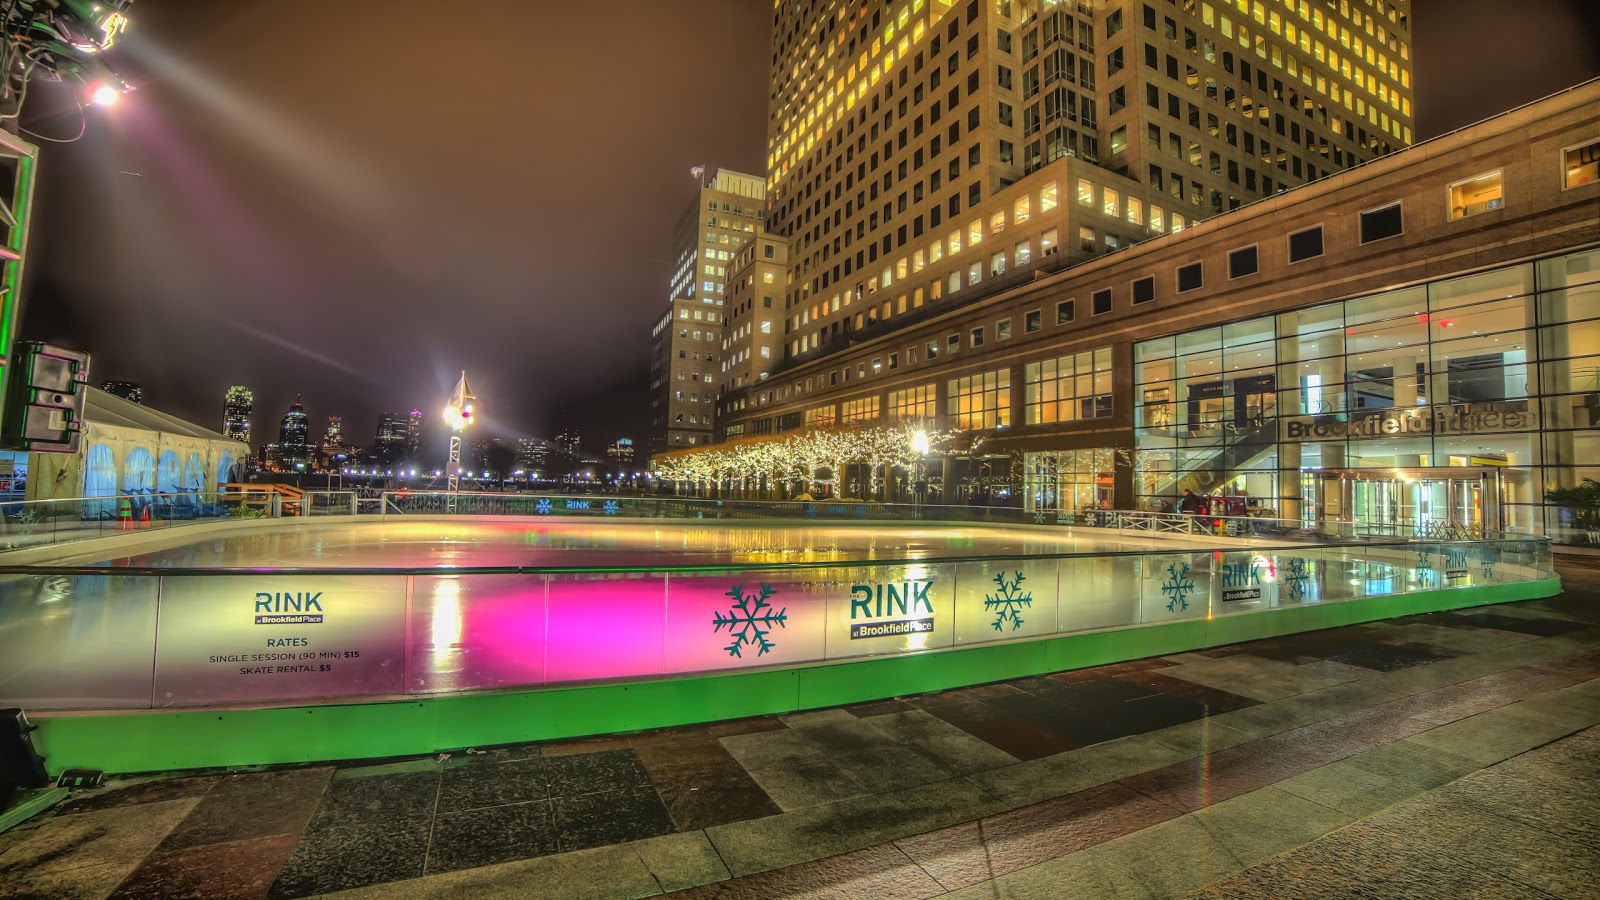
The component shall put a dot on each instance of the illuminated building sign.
(1466, 418)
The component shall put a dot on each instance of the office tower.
(568, 440)
(620, 451)
(237, 406)
(752, 342)
(393, 438)
(925, 153)
(686, 342)
(293, 437)
(414, 434)
(333, 440)
(127, 390)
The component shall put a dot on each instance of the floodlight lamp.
(919, 443)
(104, 95)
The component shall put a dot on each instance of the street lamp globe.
(919, 443)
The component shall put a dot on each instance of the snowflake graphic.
(543, 507)
(1424, 567)
(1177, 587)
(1038, 516)
(811, 510)
(1299, 575)
(611, 507)
(1008, 601)
(1488, 563)
(750, 620)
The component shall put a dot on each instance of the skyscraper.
(237, 406)
(414, 435)
(686, 341)
(393, 437)
(333, 440)
(925, 154)
(293, 437)
(568, 440)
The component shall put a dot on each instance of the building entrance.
(1408, 501)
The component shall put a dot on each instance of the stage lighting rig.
(60, 40)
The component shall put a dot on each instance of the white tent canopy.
(127, 448)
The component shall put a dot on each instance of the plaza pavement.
(1443, 755)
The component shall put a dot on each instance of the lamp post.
(919, 446)
(458, 415)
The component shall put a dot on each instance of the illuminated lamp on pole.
(919, 446)
(458, 415)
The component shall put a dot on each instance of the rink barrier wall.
(142, 741)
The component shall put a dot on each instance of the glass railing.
(39, 523)
(139, 638)
(509, 504)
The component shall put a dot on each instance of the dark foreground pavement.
(1444, 755)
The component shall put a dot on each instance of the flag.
(698, 172)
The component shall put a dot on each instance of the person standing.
(1192, 504)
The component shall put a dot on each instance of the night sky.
(355, 200)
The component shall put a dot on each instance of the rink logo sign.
(1241, 581)
(289, 608)
(890, 610)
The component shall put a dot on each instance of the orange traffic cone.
(144, 520)
(124, 514)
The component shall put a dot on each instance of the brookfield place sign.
(1466, 418)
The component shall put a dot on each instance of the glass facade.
(1463, 402)
(1068, 480)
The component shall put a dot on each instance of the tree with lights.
(798, 458)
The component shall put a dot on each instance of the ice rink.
(437, 542)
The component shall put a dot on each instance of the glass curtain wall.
(1067, 480)
(1417, 406)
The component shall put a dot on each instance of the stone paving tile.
(492, 784)
(1488, 738)
(1376, 779)
(610, 817)
(762, 844)
(340, 857)
(1451, 640)
(761, 750)
(604, 873)
(1457, 701)
(496, 834)
(681, 861)
(378, 799)
(1542, 627)
(809, 782)
(1239, 770)
(1303, 709)
(987, 848)
(1007, 732)
(119, 793)
(240, 870)
(882, 872)
(606, 771)
(700, 783)
(277, 803)
(86, 854)
(1253, 676)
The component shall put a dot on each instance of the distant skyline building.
(333, 439)
(414, 435)
(686, 341)
(293, 446)
(568, 441)
(621, 451)
(752, 342)
(127, 390)
(393, 437)
(238, 404)
(533, 454)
